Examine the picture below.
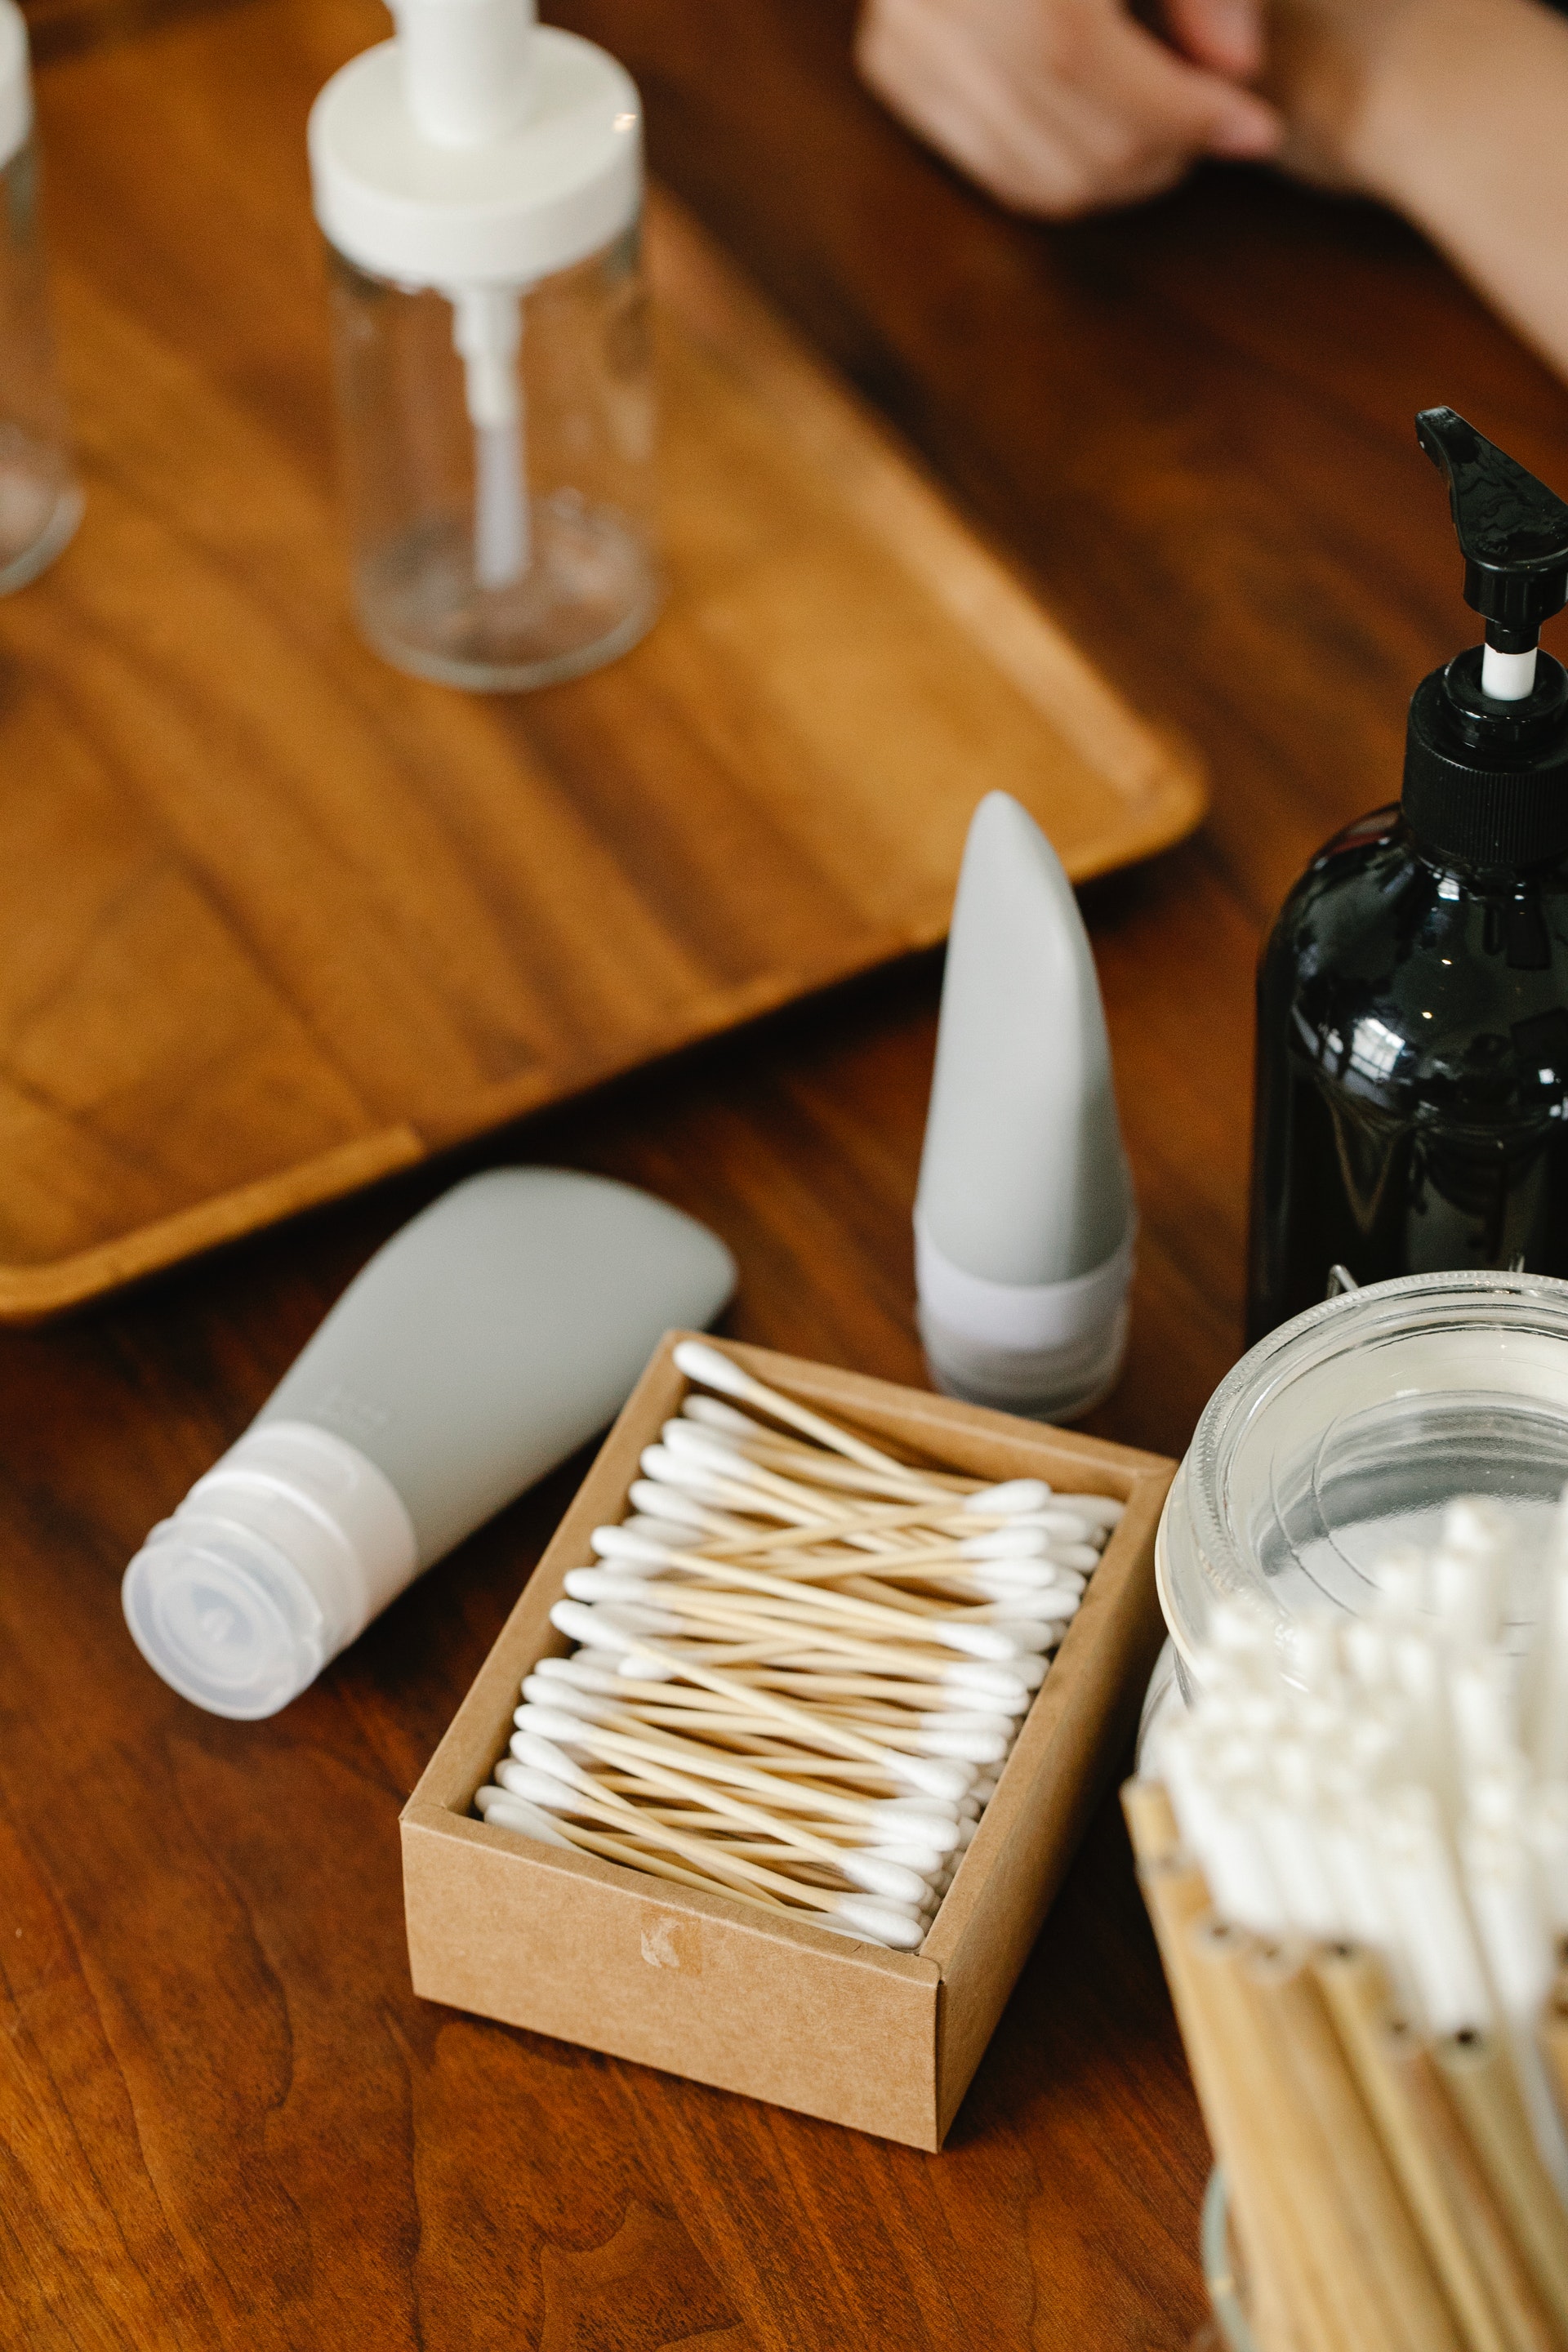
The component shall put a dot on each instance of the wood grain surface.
(226, 2123)
(279, 920)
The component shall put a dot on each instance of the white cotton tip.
(628, 1543)
(561, 1670)
(505, 1812)
(1079, 1559)
(984, 1789)
(1000, 1577)
(1002, 1726)
(687, 1441)
(603, 1584)
(1012, 1494)
(939, 1703)
(966, 1829)
(1025, 1636)
(996, 1641)
(663, 1468)
(551, 1723)
(1001, 1682)
(974, 1746)
(935, 1777)
(923, 1859)
(902, 1929)
(670, 1504)
(699, 1361)
(898, 1817)
(889, 1879)
(545, 1756)
(711, 1414)
(668, 1533)
(1103, 1509)
(637, 1666)
(537, 1786)
(579, 1672)
(616, 1625)
(1048, 1604)
(592, 1627)
(1005, 1543)
(1009, 1574)
(539, 1690)
(1065, 1526)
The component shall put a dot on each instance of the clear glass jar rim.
(1355, 1318)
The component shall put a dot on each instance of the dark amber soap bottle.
(1412, 1103)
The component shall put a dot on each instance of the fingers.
(1226, 35)
(1055, 106)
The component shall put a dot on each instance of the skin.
(1449, 111)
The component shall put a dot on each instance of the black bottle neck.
(1486, 783)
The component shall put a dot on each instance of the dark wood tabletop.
(225, 2121)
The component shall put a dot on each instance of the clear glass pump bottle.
(478, 180)
(40, 501)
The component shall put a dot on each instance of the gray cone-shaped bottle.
(1024, 1221)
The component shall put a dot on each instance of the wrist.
(1412, 82)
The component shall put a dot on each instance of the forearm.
(1462, 123)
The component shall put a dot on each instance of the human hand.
(1328, 62)
(1060, 106)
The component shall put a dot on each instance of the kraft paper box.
(888, 2041)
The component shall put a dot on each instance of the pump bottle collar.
(1486, 762)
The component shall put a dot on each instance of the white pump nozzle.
(467, 67)
(1507, 677)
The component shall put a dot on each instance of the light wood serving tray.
(275, 921)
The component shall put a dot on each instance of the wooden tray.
(275, 919)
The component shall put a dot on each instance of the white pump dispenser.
(1023, 1223)
(477, 153)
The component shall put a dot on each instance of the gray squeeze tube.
(478, 1347)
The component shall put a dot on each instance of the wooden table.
(225, 2121)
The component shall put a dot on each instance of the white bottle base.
(1049, 1351)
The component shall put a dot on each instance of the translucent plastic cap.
(287, 1547)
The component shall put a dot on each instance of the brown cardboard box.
(569, 1945)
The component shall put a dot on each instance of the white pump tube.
(1507, 677)
(467, 67)
(468, 81)
(487, 327)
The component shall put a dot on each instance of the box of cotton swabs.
(777, 1764)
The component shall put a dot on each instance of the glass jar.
(40, 501)
(1348, 1430)
(478, 180)
(500, 498)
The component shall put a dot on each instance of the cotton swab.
(887, 1922)
(700, 1362)
(765, 1696)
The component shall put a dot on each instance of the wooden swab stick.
(709, 1855)
(508, 1812)
(753, 1772)
(870, 1615)
(889, 1880)
(712, 1369)
(710, 1762)
(1355, 1987)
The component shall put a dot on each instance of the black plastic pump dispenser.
(1411, 1104)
